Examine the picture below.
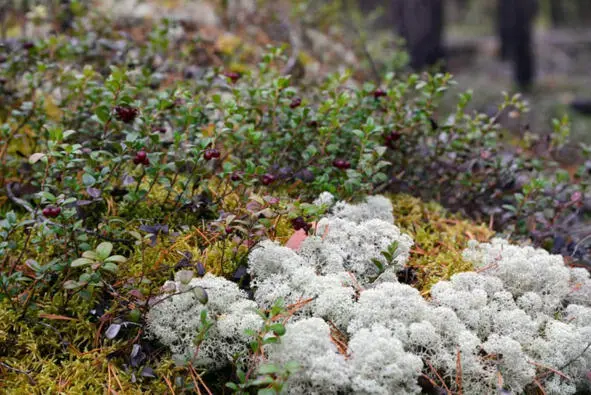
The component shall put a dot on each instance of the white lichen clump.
(523, 318)
(175, 320)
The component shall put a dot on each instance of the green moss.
(440, 237)
(50, 354)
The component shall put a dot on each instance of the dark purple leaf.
(148, 372)
(94, 192)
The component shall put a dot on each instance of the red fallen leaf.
(295, 241)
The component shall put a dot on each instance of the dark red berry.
(211, 153)
(233, 76)
(300, 223)
(51, 211)
(141, 157)
(379, 93)
(268, 179)
(159, 129)
(295, 102)
(236, 176)
(229, 229)
(126, 114)
(341, 164)
(392, 138)
(312, 124)
(28, 45)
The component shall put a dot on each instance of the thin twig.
(7, 366)
(438, 376)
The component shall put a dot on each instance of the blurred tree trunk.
(420, 23)
(505, 23)
(515, 20)
(557, 14)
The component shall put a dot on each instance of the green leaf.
(36, 157)
(110, 267)
(278, 329)
(103, 250)
(509, 208)
(232, 386)
(266, 391)
(268, 368)
(90, 255)
(88, 180)
(271, 340)
(116, 258)
(201, 295)
(103, 114)
(71, 284)
(81, 262)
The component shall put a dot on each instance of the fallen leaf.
(296, 240)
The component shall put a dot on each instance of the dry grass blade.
(459, 373)
(339, 339)
(447, 390)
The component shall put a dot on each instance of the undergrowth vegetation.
(141, 194)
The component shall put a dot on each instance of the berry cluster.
(211, 153)
(51, 211)
(141, 157)
(126, 114)
(295, 103)
(300, 223)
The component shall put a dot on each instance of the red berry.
(51, 211)
(126, 114)
(233, 76)
(229, 229)
(141, 157)
(268, 179)
(300, 223)
(379, 93)
(312, 124)
(236, 176)
(341, 164)
(211, 153)
(295, 103)
(392, 137)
